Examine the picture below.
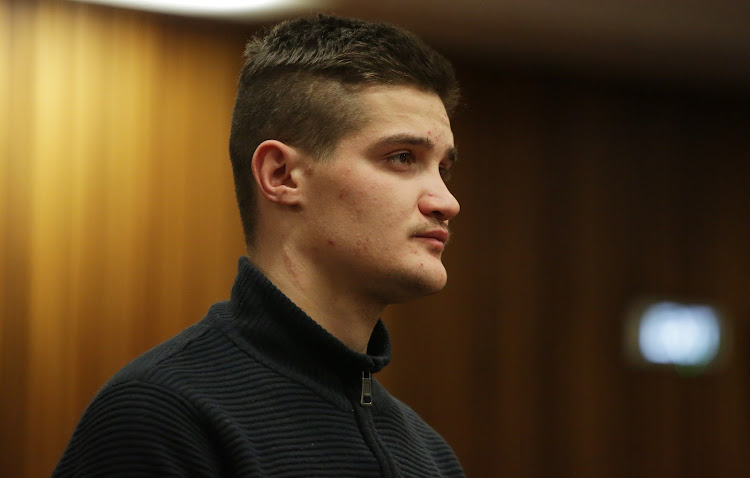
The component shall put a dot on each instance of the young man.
(340, 146)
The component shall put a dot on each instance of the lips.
(441, 235)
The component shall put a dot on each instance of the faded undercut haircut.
(299, 85)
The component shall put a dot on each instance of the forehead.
(394, 110)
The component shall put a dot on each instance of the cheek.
(363, 245)
(361, 200)
(373, 213)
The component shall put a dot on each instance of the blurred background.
(604, 160)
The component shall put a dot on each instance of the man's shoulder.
(165, 355)
(200, 352)
(141, 421)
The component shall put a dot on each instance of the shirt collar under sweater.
(290, 339)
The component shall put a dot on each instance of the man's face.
(378, 209)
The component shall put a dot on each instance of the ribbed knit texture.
(255, 389)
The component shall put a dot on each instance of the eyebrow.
(451, 153)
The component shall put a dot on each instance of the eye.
(403, 158)
(445, 173)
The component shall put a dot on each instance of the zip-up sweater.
(255, 389)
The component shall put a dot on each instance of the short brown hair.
(299, 83)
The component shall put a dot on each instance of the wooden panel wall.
(118, 229)
(118, 219)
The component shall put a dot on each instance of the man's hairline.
(356, 93)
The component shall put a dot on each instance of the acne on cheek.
(357, 214)
(362, 245)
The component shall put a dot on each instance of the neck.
(346, 315)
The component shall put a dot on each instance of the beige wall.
(118, 228)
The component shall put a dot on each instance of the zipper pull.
(366, 398)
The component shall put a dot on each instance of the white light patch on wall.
(207, 7)
(681, 334)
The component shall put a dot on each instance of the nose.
(438, 202)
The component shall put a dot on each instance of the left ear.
(275, 169)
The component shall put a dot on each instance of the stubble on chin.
(397, 288)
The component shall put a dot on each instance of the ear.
(274, 164)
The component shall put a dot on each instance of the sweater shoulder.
(155, 408)
(139, 428)
(182, 359)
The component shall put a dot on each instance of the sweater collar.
(287, 335)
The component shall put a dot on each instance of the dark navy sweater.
(255, 389)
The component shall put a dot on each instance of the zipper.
(364, 418)
(366, 396)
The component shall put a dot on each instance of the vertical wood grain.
(114, 182)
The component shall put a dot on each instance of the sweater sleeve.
(139, 429)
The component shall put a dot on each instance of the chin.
(434, 280)
(415, 285)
